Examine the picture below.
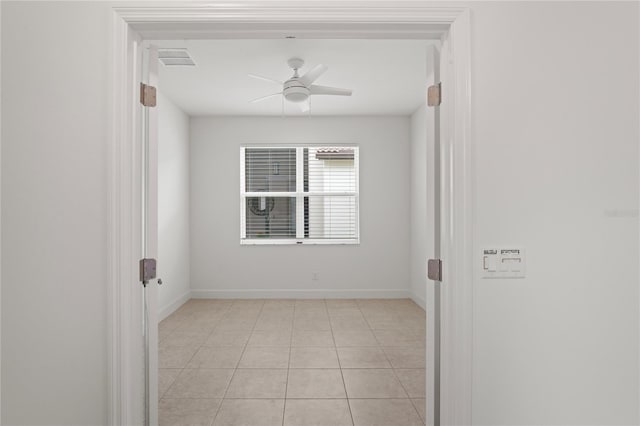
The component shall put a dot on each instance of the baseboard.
(419, 301)
(173, 306)
(299, 294)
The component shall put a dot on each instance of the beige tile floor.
(293, 363)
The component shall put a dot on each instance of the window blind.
(299, 194)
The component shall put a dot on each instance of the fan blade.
(259, 77)
(304, 106)
(326, 90)
(313, 74)
(262, 98)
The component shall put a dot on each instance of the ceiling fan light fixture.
(296, 94)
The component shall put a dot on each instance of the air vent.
(172, 57)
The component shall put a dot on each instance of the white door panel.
(150, 235)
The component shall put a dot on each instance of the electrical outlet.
(315, 276)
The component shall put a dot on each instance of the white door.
(149, 207)
(432, 117)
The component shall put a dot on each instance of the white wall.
(54, 213)
(379, 266)
(173, 206)
(556, 170)
(555, 132)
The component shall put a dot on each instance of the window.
(299, 195)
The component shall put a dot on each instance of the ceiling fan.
(298, 89)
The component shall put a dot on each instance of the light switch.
(503, 262)
(489, 260)
(504, 265)
(491, 263)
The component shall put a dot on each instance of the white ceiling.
(387, 76)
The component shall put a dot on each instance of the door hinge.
(434, 95)
(147, 270)
(147, 95)
(434, 269)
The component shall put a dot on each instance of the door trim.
(368, 19)
(456, 229)
(125, 370)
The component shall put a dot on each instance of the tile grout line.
(339, 363)
(298, 399)
(212, 331)
(201, 346)
(393, 369)
(174, 330)
(286, 385)
(238, 363)
(184, 367)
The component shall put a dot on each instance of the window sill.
(295, 242)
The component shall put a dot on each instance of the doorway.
(373, 333)
(132, 33)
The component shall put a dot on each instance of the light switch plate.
(507, 261)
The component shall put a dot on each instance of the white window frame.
(299, 195)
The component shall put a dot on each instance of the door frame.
(241, 19)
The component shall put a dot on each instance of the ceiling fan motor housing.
(294, 91)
